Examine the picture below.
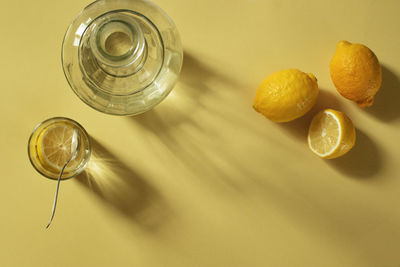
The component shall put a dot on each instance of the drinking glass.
(48, 148)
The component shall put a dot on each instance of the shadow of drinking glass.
(386, 105)
(123, 189)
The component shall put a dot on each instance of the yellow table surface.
(204, 180)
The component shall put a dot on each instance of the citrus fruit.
(331, 134)
(286, 95)
(54, 147)
(356, 73)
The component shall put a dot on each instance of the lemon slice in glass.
(54, 147)
(331, 134)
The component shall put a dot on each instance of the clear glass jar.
(122, 57)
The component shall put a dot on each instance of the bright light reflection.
(99, 170)
(80, 30)
(76, 41)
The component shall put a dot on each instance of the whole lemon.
(356, 73)
(286, 95)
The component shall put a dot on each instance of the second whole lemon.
(286, 95)
(356, 73)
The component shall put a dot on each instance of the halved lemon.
(54, 147)
(331, 134)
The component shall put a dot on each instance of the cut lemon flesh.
(54, 147)
(331, 134)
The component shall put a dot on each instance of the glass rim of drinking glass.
(85, 134)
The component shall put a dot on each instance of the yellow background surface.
(204, 180)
